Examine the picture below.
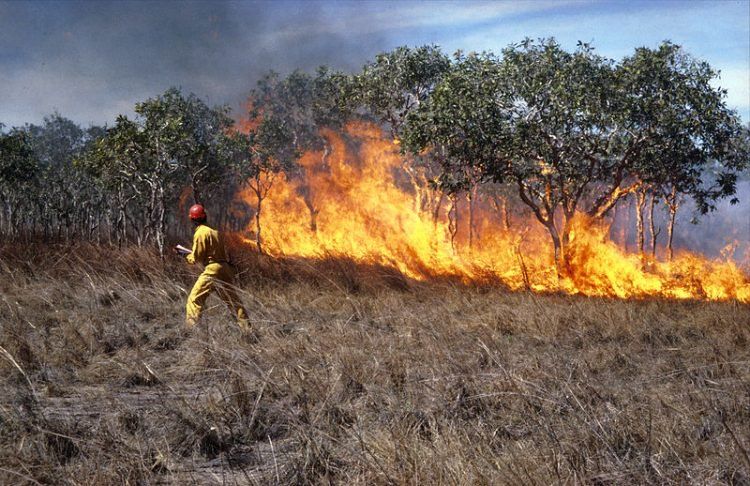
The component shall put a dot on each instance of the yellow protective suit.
(208, 250)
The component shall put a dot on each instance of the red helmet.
(197, 212)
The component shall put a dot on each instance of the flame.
(246, 124)
(356, 201)
(184, 199)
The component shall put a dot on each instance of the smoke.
(729, 226)
(93, 60)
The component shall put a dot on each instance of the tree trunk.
(652, 225)
(197, 196)
(640, 204)
(160, 223)
(625, 223)
(471, 196)
(546, 215)
(670, 228)
(453, 221)
(258, 208)
(560, 264)
(121, 231)
(614, 225)
(505, 214)
(436, 210)
(311, 209)
(565, 243)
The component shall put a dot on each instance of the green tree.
(288, 116)
(575, 132)
(175, 141)
(119, 161)
(693, 146)
(18, 167)
(388, 90)
(397, 82)
(188, 138)
(65, 196)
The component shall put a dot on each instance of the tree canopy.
(576, 132)
(568, 132)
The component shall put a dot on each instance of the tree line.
(558, 133)
(123, 183)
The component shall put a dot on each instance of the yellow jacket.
(208, 247)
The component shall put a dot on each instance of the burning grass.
(359, 199)
(358, 375)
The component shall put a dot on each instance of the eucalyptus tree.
(189, 138)
(287, 118)
(397, 82)
(119, 161)
(576, 132)
(66, 198)
(687, 142)
(18, 168)
(388, 90)
(175, 141)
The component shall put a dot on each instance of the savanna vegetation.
(549, 132)
(356, 374)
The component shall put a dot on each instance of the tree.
(18, 167)
(288, 117)
(119, 162)
(391, 88)
(174, 141)
(397, 82)
(192, 137)
(693, 146)
(574, 132)
(65, 197)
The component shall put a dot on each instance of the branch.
(608, 201)
(522, 192)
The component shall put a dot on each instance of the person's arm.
(199, 248)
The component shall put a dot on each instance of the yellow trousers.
(219, 276)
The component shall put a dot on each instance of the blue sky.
(93, 60)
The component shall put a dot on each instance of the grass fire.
(474, 268)
(357, 200)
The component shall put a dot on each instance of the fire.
(355, 200)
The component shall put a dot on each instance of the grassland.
(355, 375)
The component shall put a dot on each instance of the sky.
(93, 60)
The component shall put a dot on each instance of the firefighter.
(218, 273)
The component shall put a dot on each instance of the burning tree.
(576, 132)
(392, 87)
(286, 118)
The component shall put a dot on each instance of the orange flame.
(246, 124)
(356, 201)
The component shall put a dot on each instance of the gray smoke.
(93, 60)
(727, 225)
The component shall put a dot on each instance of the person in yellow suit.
(218, 274)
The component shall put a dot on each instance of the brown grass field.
(356, 375)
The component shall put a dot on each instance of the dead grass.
(357, 375)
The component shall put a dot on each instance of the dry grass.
(356, 375)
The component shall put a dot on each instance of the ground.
(356, 375)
